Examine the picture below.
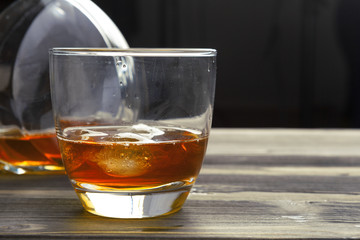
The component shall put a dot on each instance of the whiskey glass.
(28, 28)
(132, 125)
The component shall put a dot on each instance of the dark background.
(281, 63)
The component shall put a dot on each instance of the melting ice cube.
(82, 133)
(147, 131)
(132, 137)
(122, 161)
(87, 134)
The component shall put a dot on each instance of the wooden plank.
(238, 195)
(291, 142)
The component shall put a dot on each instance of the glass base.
(20, 170)
(144, 204)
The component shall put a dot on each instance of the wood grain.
(254, 184)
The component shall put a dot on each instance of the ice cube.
(132, 137)
(79, 133)
(124, 162)
(147, 131)
(73, 159)
(87, 134)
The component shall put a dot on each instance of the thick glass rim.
(144, 52)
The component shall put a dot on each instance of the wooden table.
(255, 184)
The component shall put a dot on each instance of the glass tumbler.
(28, 29)
(132, 125)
